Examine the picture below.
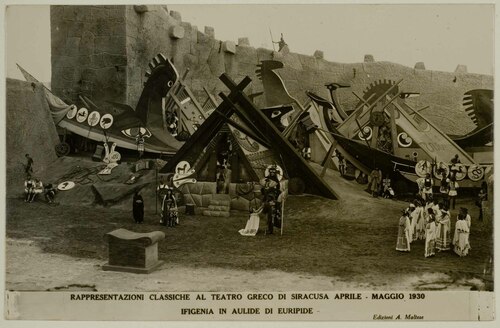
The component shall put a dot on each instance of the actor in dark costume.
(270, 199)
(50, 193)
(169, 215)
(28, 168)
(138, 207)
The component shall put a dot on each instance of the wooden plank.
(298, 166)
(207, 130)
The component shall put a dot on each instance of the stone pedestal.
(133, 252)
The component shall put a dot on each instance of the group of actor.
(169, 213)
(448, 188)
(431, 222)
(34, 187)
(379, 184)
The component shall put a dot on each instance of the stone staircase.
(219, 206)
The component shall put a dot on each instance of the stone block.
(110, 44)
(243, 42)
(318, 54)
(277, 55)
(87, 45)
(141, 9)
(72, 46)
(76, 29)
(99, 13)
(190, 60)
(176, 32)
(56, 12)
(62, 61)
(210, 32)
(69, 74)
(134, 252)
(117, 15)
(118, 29)
(461, 69)
(194, 34)
(77, 13)
(229, 47)
(102, 27)
(176, 15)
(419, 65)
(369, 59)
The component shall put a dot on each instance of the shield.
(377, 118)
(81, 115)
(94, 118)
(66, 185)
(475, 172)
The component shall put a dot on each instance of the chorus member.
(419, 228)
(403, 242)
(430, 234)
(461, 236)
(443, 230)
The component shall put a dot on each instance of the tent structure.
(245, 139)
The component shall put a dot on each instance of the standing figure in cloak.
(281, 43)
(28, 167)
(375, 179)
(452, 193)
(430, 234)
(410, 209)
(341, 159)
(461, 236)
(419, 233)
(252, 226)
(482, 198)
(169, 214)
(403, 242)
(444, 189)
(138, 207)
(443, 230)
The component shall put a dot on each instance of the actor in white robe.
(430, 237)
(443, 231)
(403, 242)
(461, 237)
(253, 223)
(419, 225)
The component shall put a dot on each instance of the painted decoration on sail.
(106, 121)
(82, 114)
(94, 118)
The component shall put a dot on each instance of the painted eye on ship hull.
(133, 132)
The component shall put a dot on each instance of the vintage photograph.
(244, 148)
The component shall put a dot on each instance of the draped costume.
(403, 243)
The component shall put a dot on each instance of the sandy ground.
(28, 268)
(340, 245)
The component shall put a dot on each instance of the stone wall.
(89, 54)
(30, 130)
(150, 30)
